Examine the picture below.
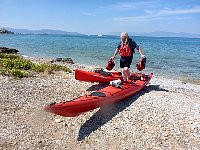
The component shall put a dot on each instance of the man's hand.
(112, 58)
(142, 56)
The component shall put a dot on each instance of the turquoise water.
(169, 57)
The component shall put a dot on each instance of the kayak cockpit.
(99, 94)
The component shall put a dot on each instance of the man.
(126, 49)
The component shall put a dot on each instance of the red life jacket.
(125, 51)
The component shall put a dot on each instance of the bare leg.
(124, 74)
(127, 72)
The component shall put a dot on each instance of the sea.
(170, 57)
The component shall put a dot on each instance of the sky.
(102, 16)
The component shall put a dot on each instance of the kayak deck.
(96, 76)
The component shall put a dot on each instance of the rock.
(165, 134)
(197, 135)
(58, 120)
(8, 50)
(65, 124)
(4, 31)
(58, 59)
(65, 60)
(51, 61)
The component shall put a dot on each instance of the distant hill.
(161, 34)
(60, 32)
(42, 31)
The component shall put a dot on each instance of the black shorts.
(126, 61)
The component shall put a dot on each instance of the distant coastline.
(42, 32)
(60, 32)
(161, 34)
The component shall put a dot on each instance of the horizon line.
(111, 33)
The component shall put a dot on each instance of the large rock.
(65, 60)
(4, 31)
(8, 50)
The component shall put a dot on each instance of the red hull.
(89, 76)
(107, 95)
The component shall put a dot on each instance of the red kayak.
(97, 76)
(107, 95)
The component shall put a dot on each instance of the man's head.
(124, 36)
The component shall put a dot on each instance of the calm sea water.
(170, 57)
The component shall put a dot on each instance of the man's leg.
(127, 72)
(124, 74)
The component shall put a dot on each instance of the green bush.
(9, 56)
(59, 67)
(17, 73)
(39, 67)
(16, 66)
(7, 63)
(22, 64)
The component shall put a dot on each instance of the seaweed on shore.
(16, 66)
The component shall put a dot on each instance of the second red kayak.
(97, 76)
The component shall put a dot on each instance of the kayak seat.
(99, 94)
(100, 71)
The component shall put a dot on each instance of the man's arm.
(116, 52)
(140, 51)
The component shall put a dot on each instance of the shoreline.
(165, 115)
(74, 66)
(186, 71)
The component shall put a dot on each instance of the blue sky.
(102, 16)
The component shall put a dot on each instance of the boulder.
(65, 60)
(8, 50)
(4, 31)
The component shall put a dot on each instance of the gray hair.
(124, 34)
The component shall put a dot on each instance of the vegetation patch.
(18, 67)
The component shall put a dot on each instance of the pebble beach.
(165, 115)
